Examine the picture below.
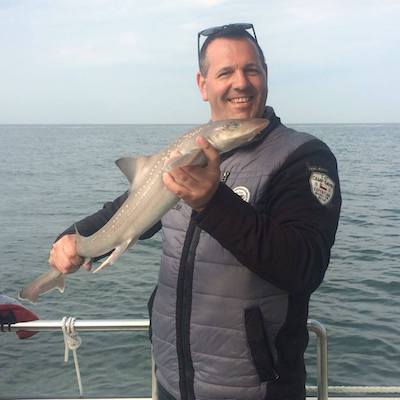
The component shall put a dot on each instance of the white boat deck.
(149, 398)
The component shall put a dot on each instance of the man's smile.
(242, 99)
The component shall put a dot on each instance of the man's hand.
(63, 255)
(193, 184)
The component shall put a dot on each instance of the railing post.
(154, 392)
(322, 357)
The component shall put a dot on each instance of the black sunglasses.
(231, 28)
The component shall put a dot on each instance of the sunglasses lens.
(231, 28)
(211, 31)
(242, 26)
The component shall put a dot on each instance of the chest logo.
(243, 192)
(322, 187)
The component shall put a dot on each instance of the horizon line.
(182, 123)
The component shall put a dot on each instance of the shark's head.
(231, 133)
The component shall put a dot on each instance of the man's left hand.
(193, 184)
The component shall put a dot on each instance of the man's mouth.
(240, 100)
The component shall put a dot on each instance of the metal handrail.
(83, 325)
(91, 325)
(322, 357)
(323, 389)
(143, 324)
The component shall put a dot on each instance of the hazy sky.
(120, 61)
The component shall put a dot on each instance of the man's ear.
(202, 85)
(266, 75)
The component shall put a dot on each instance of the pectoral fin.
(114, 255)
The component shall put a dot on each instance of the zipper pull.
(225, 176)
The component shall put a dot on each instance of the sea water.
(53, 175)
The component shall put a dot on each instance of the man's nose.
(240, 80)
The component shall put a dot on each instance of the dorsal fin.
(136, 168)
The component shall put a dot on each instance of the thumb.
(209, 151)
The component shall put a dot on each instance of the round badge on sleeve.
(243, 192)
(322, 187)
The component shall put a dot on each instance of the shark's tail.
(44, 283)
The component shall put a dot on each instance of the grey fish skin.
(43, 284)
(149, 199)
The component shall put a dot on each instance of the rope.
(72, 342)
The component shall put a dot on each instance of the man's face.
(236, 80)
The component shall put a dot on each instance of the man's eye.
(223, 74)
(253, 71)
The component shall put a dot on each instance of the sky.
(121, 61)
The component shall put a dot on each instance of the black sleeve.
(94, 222)
(288, 237)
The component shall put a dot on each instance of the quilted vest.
(214, 321)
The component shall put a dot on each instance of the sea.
(54, 175)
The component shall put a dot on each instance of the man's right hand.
(63, 255)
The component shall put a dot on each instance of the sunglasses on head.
(230, 28)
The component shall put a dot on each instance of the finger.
(56, 257)
(87, 265)
(63, 264)
(68, 244)
(69, 257)
(51, 259)
(61, 261)
(173, 186)
(209, 151)
(184, 177)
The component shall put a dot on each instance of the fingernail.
(165, 176)
(200, 140)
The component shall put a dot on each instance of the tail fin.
(43, 284)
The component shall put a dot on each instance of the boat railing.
(321, 390)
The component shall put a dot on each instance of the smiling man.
(232, 322)
(233, 78)
(244, 249)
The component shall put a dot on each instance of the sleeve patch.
(322, 187)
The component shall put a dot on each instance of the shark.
(148, 198)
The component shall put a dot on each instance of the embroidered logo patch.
(322, 187)
(243, 192)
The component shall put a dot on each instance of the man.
(241, 256)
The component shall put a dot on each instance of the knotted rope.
(72, 342)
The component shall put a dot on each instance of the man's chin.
(237, 113)
(241, 115)
(243, 112)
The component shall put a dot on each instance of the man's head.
(233, 73)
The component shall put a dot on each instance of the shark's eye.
(232, 125)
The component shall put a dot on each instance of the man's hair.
(203, 65)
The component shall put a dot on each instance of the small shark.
(149, 199)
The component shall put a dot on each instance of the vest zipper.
(183, 312)
(184, 307)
